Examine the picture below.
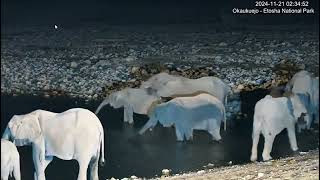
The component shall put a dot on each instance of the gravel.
(296, 167)
(84, 62)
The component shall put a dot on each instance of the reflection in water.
(128, 153)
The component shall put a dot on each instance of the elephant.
(133, 100)
(271, 116)
(10, 160)
(303, 82)
(201, 112)
(73, 134)
(159, 80)
(167, 85)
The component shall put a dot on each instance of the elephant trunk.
(151, 123)
(7, 134)
(104, 102)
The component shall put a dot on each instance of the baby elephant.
(271, 116)
(10, 160)
(201, 112)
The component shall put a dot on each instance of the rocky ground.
(88, 62)
(303, 166)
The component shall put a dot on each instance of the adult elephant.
(166, 85)
(303, 82)
(133, 100)
(201, 112)
(271, 116)
(73, 134)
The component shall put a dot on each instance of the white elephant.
(201, 112)
(271, 116)
(10, 160)
(167, 85)
(159, 80)
(133, 100)
(74, 134)
(303, 82)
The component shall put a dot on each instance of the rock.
(166, 172)
(130, 58)
(223, 44)
(303, 153)
(87, 62)
(103, 63)
(210, 165)
(134, 69)
(73, 64)
(133, 177)
(240, 87)
(260, 175)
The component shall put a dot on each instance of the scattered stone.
(240, 87)
(166, 172)
(134, 177)
(73, 64)
(223, 44)
(87, 62)
(260, 175)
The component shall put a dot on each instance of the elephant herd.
(194, 104)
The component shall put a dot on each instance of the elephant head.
(159, 113)
(300, 105)
(23, 129)
(158, 81)
(162, 114)
(115, 99)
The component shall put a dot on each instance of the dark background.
(128, 12)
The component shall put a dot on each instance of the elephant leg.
(179, 134)
(214, 130)
(215, 133)
(4, 174)
(93, 166)
(268, 142)
(83, 166)
(254, 149)
(16, 170)
(292, 138)
(189, 134)
(128, 114)
(39, 167)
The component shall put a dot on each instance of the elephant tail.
(101, 148)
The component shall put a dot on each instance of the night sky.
(125, 12)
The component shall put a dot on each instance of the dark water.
(145, 156)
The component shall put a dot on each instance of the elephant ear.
(25, 129)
